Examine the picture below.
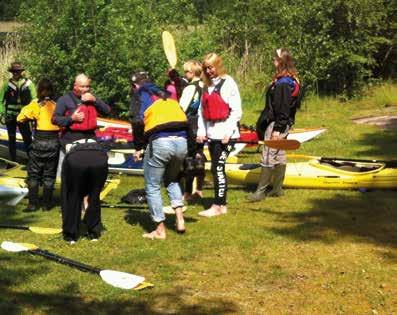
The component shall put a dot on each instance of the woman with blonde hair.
(219, 114)
(282, 102)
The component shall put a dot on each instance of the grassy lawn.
(309, 252)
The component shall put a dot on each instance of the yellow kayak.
(13, 186)
(324, 173)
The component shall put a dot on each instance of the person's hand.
(87, 97)
(138, 154)
(77, 115)
(225, 139)
(276, 135)
(201, 139)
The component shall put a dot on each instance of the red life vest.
(89, 122)
(213, 106)
(90, 116)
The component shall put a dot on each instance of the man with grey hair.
(84, 169)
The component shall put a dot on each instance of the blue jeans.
(165, 163)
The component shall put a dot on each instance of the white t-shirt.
(188, 94)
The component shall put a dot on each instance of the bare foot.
(215, 210)
(179, 220)
(158, 233)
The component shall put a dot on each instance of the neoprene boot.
(264, 182)
(33, 196)
(47, 198)
(278, 179)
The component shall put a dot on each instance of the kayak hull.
(316, 175)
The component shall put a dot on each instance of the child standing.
(44, 153)
(190, 103)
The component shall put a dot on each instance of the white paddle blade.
(13, 247)
(120, 279)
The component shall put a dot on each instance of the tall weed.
(9, 52)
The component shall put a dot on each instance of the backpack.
(213, 106)
(194, 105)
(135, 196)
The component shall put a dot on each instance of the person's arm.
(281, 101)
(2, 100)
(32, 90)
(137, 122)
(29, 112)
(101, 106)
(59, 118)
(232, 96)
(201, 127)
(187, 96)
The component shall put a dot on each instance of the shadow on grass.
(143, 219)
(12, 216)
(383, 143)
(369, 217)
(69, 299)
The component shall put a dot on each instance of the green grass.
(309, 252)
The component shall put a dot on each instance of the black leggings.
(83, 173)
(219, 153)
(24, 129)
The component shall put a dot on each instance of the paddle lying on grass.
(166, 209)
(390, 163)
(169, 48)
(117, 279)
(283, 144)
(34, 229)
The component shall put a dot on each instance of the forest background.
(340, 47)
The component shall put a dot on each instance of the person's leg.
(73, 185)
(97, 175)
(24, 129)
(49, 176)
(171, 180)
(11, 124)
(219, 153)
(34, 170)
(154, 164)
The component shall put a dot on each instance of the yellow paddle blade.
(111, 184)
(43, 230)
(143, 285)
(169, 48)
(28, 246)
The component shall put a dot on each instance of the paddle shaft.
(65, 261)
(15, 227)
(392, 163)
(132, 206)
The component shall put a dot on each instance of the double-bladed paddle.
(34, 229)
(117, 279)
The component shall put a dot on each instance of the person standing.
(16, 93)
(190, 103)
(44, 152)
(219, 115)
(282, 102)
(160, 124)
(84, 168)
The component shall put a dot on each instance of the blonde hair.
(214, 60)
(194, 67)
